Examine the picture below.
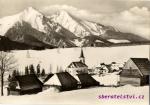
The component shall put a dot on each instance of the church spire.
(82, 58)
(28, 54)
(82, 54)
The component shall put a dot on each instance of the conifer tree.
(43, 72)
(38, 69)
(26, 70)
(31, 68)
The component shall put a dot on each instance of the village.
(77, 75)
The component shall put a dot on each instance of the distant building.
(78, 67)
(136, 72)
(108, 68)
(91, 71)
(116, 66)
(102, 69)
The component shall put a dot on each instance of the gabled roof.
(87, 80)
(77, 65)
(68, 82)
(63, 79)
(143, 65)
(108, 67)
(29, 82)
(48, 77)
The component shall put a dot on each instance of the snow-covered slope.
(40, 29)
(88, 96)
(29, 15)
(92, 32)
(35, 18)
(119, 41)
(68, 22)
(81, 28)
(8, 22)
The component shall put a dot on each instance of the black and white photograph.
(74, 52)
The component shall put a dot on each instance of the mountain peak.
(30, 14)
(63, 13)
(31, 10)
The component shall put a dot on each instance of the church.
(78, 67)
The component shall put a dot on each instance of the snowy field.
(82, 97)
(93, 56)
(87, 96)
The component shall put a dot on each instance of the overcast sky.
(126, 15)
(9, 7)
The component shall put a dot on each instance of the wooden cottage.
(28, 84)
(62, 81)
(135, 72)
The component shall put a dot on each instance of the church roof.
(77, 65)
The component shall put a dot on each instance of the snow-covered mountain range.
(61, 29)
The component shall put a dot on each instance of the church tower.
(82, 58)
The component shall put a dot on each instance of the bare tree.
(7, 63)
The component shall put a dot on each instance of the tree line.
(29, 70)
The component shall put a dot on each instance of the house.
(28, 84)
(102, 69)
(91, 71)
(116, 66)
(87, 80)
(135, 72)
(62, 81)
(108, 68)
(78, 67)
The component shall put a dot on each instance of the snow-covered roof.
(54, 80)
(77, 65)
(143, 65)
(63, 79)
(27, 82)
(87, 80)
